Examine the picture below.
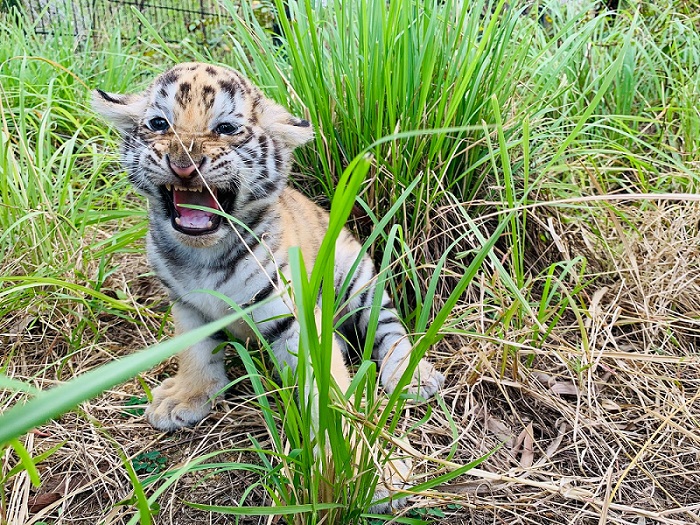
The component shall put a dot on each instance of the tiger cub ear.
(124, 111)
(281, 124)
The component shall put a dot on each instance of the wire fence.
(175, 20)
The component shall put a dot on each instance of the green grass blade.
(26, 461)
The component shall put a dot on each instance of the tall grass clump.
(59, 202)
(589, 104)
(426, 87)
(60, 196)
(405, 70)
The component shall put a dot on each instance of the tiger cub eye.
(226, 128)
(158, 124)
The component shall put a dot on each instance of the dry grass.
(602, 427)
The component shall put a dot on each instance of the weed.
(136, 411)
(151, 462)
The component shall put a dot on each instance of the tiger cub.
(204, 135)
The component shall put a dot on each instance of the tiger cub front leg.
(186, 399)
(393, 349)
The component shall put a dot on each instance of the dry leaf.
(525, 442)
(610, 405)
(40, 501)
(594, 306)
(554, 445)
(565, 389)
(500, 430)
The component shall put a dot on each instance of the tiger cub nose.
(184, 172)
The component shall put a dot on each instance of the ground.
(597, 425)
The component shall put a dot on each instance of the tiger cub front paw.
(426, 379)
(178, 403)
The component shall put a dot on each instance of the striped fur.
(208, 128)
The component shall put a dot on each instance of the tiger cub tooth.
(169, 187)
(177, 220)
(209, 224)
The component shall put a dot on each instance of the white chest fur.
(196, 280)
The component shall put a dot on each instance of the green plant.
(367, 70)
(150, 462)
(58, 191)
(134, 410)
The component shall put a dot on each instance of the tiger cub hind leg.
(394, 473)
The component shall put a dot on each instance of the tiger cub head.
(203, 135)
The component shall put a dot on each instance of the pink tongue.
(194, 219)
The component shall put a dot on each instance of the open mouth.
(188, 220)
